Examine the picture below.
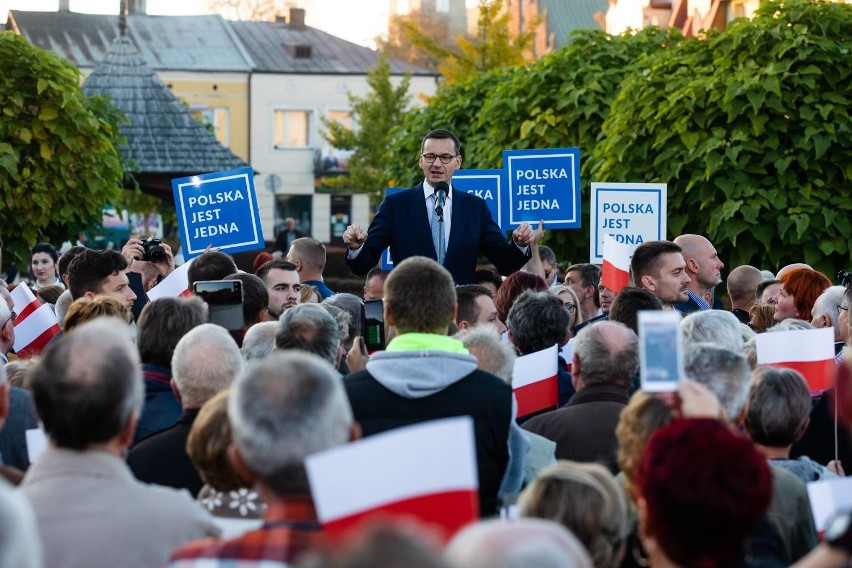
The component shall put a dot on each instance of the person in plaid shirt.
(284, 408)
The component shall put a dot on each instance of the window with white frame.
(335, 158)
(442, 6)
(215, 118)
(291, 129)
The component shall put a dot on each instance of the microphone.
(441, 189)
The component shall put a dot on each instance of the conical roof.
(162, 136)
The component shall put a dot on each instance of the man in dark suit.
(404, 222)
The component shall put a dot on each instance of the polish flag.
(35, 325)
(425, 472)
(534, 381)
(174, 285)
(809, 351)
(616, 264)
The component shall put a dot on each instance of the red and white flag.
(534, 381)
(426, 472)
(615, 274)
(809, 351)
(174, 285)
(35, 325)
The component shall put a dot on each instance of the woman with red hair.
(799, 290)
(702, 490)
(514, 286)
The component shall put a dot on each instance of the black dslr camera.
(844, 277)
(153, 247)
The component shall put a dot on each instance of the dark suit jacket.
(403, 225)
(13, 439)
(162, 458)
(584, 429)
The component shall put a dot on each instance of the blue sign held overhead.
(490, 185)
(543, 184)
(220, 210)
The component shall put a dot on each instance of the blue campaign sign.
(543, 184)
(631, 213)
(490, 185)
(387, 261)
(218, 209)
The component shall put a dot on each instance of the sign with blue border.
(632, 213)
(218, 210)
(543, 184)
(490, 185)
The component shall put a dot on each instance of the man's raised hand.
(354, 237)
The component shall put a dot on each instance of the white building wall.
(317, 94)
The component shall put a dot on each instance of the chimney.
(297, 19)
(137, 7)
(64, 5)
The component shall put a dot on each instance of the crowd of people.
(174, 441)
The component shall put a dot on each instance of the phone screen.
(660, 351)
(374, 325)
(224, 300)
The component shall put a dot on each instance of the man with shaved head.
(704, 268)
(742, 284)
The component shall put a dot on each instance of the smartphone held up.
(660, 351)
(224, 299)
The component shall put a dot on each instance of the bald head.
(791, 267)
(742, 283)
(606, 352)
(702, 262)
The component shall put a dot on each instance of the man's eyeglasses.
(843, 308)
(445, 158)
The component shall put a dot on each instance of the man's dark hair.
(67, 257)
(255, 296)
(47, 248)
(161, 325)
(310, 328)
(628, 302)
(376, 271)
(441, 134)
(758, 292)
(546, 253)
(646, 259)
(273, 265)
(591, 277)
(779, 403)
(212, 265)
(847, 295)
(486, 275)
(419, 296)
(88, 271)
(87, 384)
(466, 296)
(536, 321)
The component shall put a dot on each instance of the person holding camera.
(149, 260)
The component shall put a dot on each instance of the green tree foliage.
(376, 115)
(59, 150)
(560, 100)
(750, 128)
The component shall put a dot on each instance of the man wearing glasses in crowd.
(419, 222)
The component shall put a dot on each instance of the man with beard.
(704, 268)
(658, 266)
(282, 283)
